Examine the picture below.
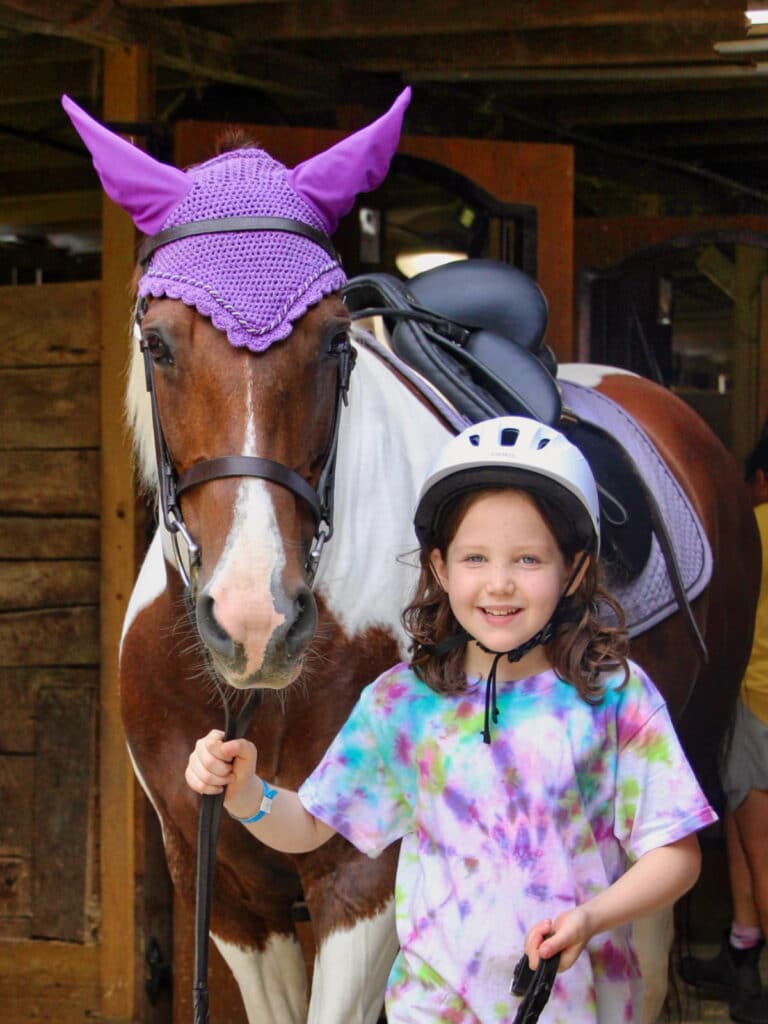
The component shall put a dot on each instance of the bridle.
(171, 485)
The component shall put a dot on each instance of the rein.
(171, 486)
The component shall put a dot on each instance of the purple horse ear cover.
(253, 285)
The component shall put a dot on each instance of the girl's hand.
(567, 935)
(214, 766)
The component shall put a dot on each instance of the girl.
(530, 769)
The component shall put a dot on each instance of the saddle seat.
(474, 329)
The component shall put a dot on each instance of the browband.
(221, 225)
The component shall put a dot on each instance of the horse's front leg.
(251, 924)
(351, 904)
(272, 979)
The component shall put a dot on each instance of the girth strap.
(250, 465)
(223, 225)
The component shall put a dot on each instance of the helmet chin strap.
(543, 636)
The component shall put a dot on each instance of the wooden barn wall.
(49, 650)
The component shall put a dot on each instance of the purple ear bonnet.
(252, 284)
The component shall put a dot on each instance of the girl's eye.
(474, 559)
(529, 560)
(157, 348)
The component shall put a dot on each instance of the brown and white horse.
(257, 620)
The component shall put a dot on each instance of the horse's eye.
(339, 342)
(157, 348)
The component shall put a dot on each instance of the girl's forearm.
(287, 827)
(657, 879)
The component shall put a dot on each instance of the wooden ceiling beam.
(201, 53)
(670, 108)
(52, 208)
(696, 136)
(354, 19)
(484, 55)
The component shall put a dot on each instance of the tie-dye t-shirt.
(497, 837)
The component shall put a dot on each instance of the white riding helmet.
(511, 451)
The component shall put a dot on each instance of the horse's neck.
(388, 441)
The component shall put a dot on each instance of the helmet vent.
(509, 436)
(474, 439)
(542, 443)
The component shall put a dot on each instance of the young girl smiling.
(531, 770)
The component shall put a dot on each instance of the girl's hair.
(583, 645)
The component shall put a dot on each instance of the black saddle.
(475, 330)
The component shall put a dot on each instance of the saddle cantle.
(475, 330)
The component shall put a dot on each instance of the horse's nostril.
(211, 631)
(305, 620)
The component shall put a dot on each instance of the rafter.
(202, 53)
(333, 19)
(484, 54)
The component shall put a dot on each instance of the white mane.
(138, 413)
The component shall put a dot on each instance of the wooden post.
(762, 376)
(750, 268)
(127, 96)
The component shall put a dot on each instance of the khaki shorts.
(746, 761)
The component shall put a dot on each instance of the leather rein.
(172, 485)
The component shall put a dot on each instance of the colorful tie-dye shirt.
(497, 837)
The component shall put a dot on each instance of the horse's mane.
(138, 414)
(232, 138)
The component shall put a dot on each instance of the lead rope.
(208, 825)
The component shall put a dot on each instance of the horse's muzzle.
(247, 659)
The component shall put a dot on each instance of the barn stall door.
(55, 831)
(49, 651)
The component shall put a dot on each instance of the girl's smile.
(504, 574)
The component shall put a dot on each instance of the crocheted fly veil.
(253, 284)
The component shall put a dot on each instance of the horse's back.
(701, 696)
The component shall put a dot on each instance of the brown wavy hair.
(584, 645)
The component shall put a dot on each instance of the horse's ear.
(145, 188)
(331, 181)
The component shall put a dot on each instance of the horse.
(261, 597)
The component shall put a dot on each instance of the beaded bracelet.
(266, 806)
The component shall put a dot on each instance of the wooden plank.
(49, 538)
(50, 482)
(49, 983)
(62, 807)
(62, 636)
(28, 585)
(19, 688)
(17, 774)
(15, 888)
(52, 408)
(127, 93)
(49, 324)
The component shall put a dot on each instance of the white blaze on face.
(246, 585)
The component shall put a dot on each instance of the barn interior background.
(632, 180)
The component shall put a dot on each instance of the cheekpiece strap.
(221, 225)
